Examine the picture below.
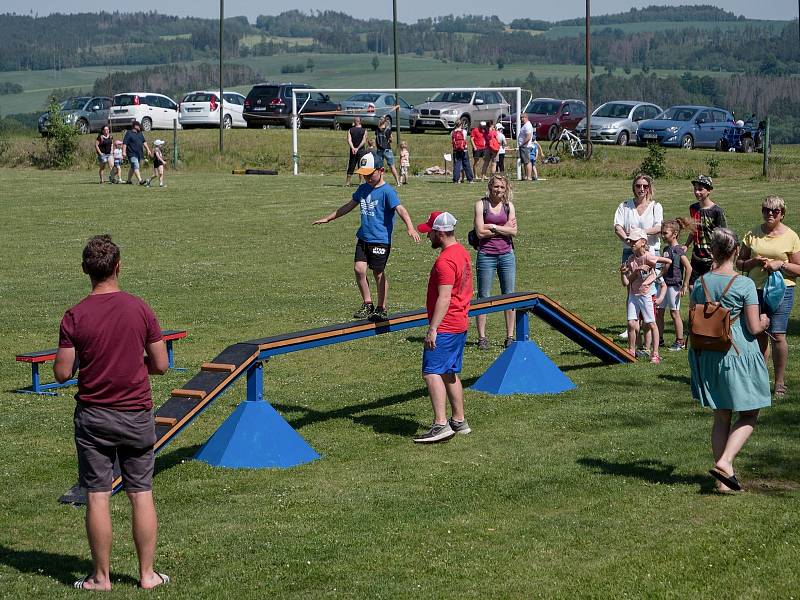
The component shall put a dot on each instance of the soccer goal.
(513, 109)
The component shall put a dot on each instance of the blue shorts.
(779, 320)
(134, 162)
(388, 157)
(447, 356)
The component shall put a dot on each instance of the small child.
(158, 164)
(675, 279)
(536, 150)
(116, 172)
(405, 162)
(638, 274)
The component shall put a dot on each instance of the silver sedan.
(617, 122)
(371, 107)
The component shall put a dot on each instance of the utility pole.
(588, 93)
(221, 94)
(396, 78)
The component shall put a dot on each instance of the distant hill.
(686, 13)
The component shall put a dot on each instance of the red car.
(548, 115)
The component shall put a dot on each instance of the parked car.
(686, 126)
(153, 111)
(87, 113)
(201, 109)
(549, 115)
(617, 122)
(271, 104)
(371, 107)
(445, 108)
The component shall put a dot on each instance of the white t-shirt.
(526, 133)
(501, 139)
(629, 218)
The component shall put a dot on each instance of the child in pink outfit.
(638, 274)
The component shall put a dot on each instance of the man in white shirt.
(525, 141)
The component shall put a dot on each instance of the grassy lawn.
(598, 492)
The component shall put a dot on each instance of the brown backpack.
(710, 323)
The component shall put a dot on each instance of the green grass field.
(599, 492)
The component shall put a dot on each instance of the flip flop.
(164, 580)
(729, 480)
(78, 585)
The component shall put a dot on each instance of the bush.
(61, 142)
(654, 164)
(713, 165)
(298, 68)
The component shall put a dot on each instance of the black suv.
(271, 104)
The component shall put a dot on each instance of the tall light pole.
(588, 93)
(396, 78)
(221, 95)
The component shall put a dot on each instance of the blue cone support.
(255, 436)
(523, 368)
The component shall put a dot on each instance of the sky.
(408, 11)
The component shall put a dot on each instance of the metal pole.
(588, 75)
(174, 143)
(221, 94)
(396, 84)
(765, 150)
(519, 124)
(295, 158)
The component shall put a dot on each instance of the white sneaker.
(624, 335)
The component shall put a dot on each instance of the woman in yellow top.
(772, 246)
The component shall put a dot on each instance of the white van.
(153, 111)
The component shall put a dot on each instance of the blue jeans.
(461, 161)
(506, 267)
(778, 320)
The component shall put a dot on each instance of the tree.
(375, 63)
(501, 63)
(310, 65)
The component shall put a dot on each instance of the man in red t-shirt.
(449, 295)
(478, 139)
(116, 340)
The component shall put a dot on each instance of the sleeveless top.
(357, 136)
(105, 144)
(498, 244)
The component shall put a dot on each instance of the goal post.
(517, 91)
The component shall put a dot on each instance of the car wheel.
(336, 126)
(687, 142)
(623, 138)
(721, 145)
(82, 126)
(147, 124)
(552, 133)
(227, 122)
(747, 145)
(414, 129)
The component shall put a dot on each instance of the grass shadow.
(684, 379)
(64, 568)
(168, 460)
(589, 365)
(651, 471)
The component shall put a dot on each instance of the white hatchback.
(153, 111)
(201, 109)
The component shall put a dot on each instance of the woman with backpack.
(733, 377)
(495, 228)
(458, 139)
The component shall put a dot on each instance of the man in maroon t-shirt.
(448, 298)
(115, 340)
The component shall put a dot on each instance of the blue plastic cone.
(523, 368)
(256, 436)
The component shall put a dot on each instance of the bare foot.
(154, 580)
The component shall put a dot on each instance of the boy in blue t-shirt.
(379, 203)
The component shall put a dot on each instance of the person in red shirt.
(478, 139)
(448, 298)
(115, 340)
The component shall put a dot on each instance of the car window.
(266, 93)
(231, 98)
(389, 100)
(543, 107)
(363, 98)
(403, 103)
(719, 116)
(566, 108)
(651, 112)
(198, 97)
(578, 109)
(125, 100)
(640, 113)
(106, 103)
(479, 96)
(704, 115)
(455, 97)
(168, 103)
(677, 113)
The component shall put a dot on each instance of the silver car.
(617, 122)
(371, 107)
(86, 113)
(446, 108)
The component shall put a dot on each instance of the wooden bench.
(42, 356)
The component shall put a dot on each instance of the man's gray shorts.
(103, 435)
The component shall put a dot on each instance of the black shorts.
(103, 435)
(375, 255)
(476, 154)
(352, 161)
(699, 268)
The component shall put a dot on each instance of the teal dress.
(727, 380)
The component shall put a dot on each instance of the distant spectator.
(158, 164)
(116, 172)
(405, 162)
(490, 152)
(461, 166)
(103, 145)
(383, 140)
(478, 140)
(525, 142)
(133, 146)
(501, 153)
(357, 147)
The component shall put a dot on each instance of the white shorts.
(641, 307)
(672, 300)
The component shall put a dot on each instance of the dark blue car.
(686, 127)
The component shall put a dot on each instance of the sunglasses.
(644, 186)
(771, 211)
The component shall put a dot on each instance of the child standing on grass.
(707, 217)
(158, 164)
(638, 274)
(116, 172)
(405, 163)
(675, 279)
(536, 150)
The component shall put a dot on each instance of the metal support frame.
(396, 90)
(37, 387)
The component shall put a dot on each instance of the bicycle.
(570, 143)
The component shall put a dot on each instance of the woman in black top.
(102, 146)
(357, 142)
